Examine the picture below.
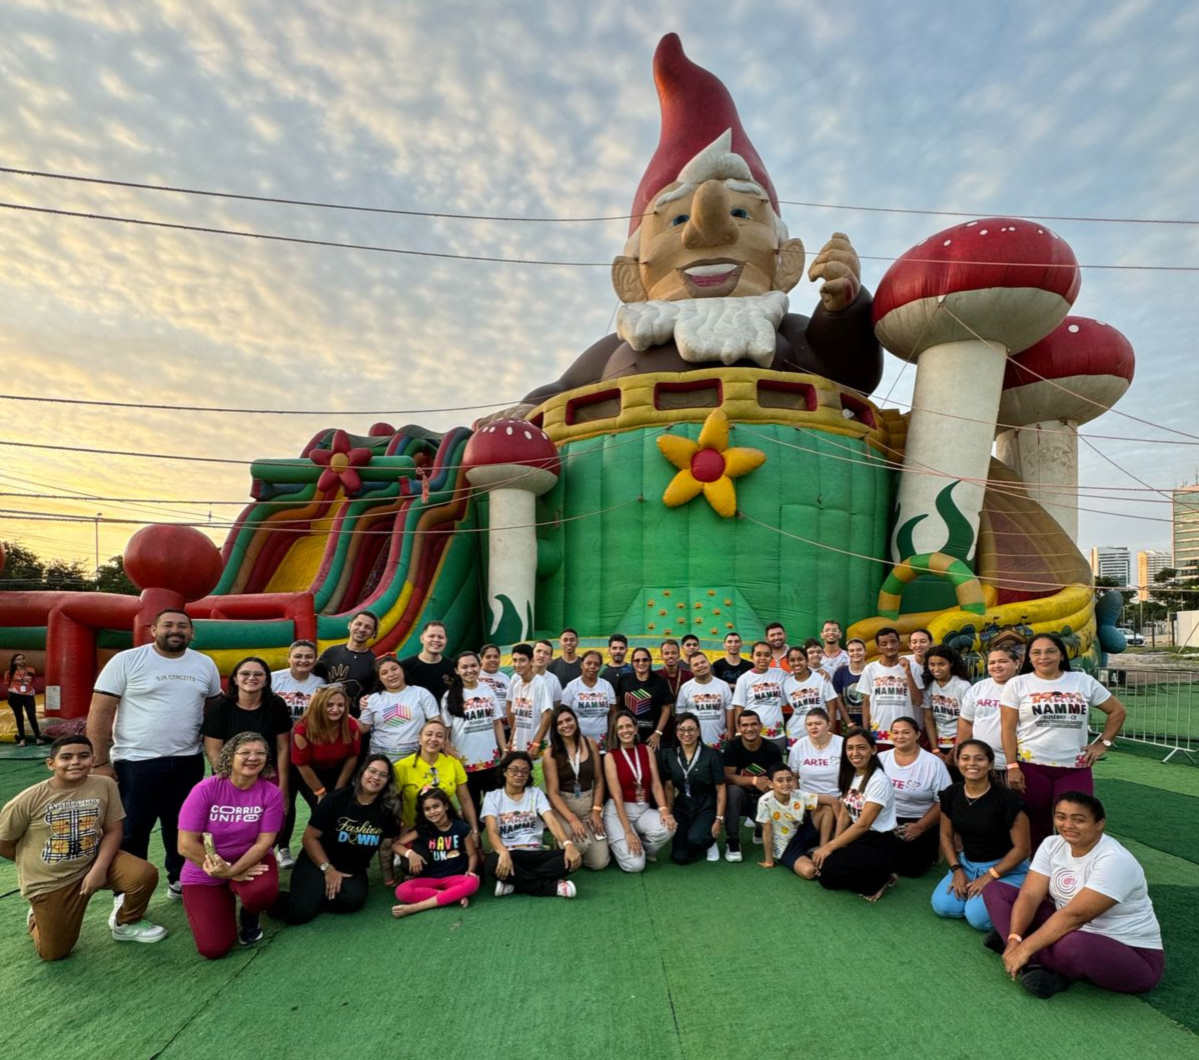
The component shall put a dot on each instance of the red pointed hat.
(696, 109)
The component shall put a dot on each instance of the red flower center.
(707, 465)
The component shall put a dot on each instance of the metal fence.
(1163, 708)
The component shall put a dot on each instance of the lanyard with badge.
(688, 768)
(634, 765)
(575, 759)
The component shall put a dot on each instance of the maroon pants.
(1042, 785)
(212, 908)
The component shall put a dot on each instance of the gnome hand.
(838, 266)
(516, 412)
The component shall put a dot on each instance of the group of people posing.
(851, 774)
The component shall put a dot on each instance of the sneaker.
(757, 835)
(732, 855)
(502, 889)
(567, 889)
(29, 921)
(994, 942)
(286, 861)
(714, 852)
(139, 931)
(1041, 982)
(175, 891)
(251, 929)
(117, 901)
(650, 855)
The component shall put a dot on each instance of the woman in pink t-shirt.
(241, 812)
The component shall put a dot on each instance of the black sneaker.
(994, 942)
(251, 929)
(1041, 982)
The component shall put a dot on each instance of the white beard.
(707, 329)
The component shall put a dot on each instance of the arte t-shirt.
(527, 701)
(296, 694)
(1052, 726)
(58, 831)
(473, 735)
(520, 820)
(497, 682)
(445, 852)
(763, 694)
(413, 774)
(815, 690)
(980, 707)
(945, 701)
(887, 687)
(1113, 872)
(271, 719)
(565, 671)
(845, 684)
(984, 823)
(351, 834)
(592, 705)
(817, 767)
(396, 719)
(710, 702)
(877, 790)
(785, 818)
(917, 786)
(161, 704)
(728, 672)
(234, 817)
(353, 670)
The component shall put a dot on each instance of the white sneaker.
(29, 921)
(567, 889)
(714, 852)
(284, 858)
(502, 889)
(732, 855)
(117, 902)
(651, 855)
(175, 891)
(139, 931)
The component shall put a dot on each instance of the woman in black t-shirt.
(346, 830)
(993, 826)
(646, 696)
(443, 858)
(251, 706)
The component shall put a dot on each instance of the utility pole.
(98, 514)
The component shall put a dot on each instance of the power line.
(248, 412)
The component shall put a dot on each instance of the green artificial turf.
(707, 961)
(1157, 818)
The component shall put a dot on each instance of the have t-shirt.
(763, 694)
(234, 817)
(1052, 726)
(945, 701)
(592, 705)
(396, 719)
(296, 694)
(445, 852)
(710, 702)
(351, 833)
(161, 704)
(918, 785)
(1113, 872)
(473, 735)
(890, 697)
(817, 767)
(980, 707)
(877, 790)
(815, 690)
(520, 820)
(785, 818)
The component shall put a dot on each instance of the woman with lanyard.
(431, 768)
(591, 698)
(806, 689)
(636, 831)
(1045, 730)
(516, 815)
(946, 682)
(980, 718)
(344, 833)
(476, 719)
(990, 821)
(574, 782)
(693, 775)
(863, 854)
(644, 695)
(816, 760)
(18, 679)
(919, 777)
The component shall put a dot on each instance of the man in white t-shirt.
(888, 688)
(144, 724)
(529, 705)
(832, 655)
(543, 654)
(296, 684)
(709, 700)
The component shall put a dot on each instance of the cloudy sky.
(540, 110)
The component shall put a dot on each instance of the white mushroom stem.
(512, 557)
(955, 402)
(1045, 456)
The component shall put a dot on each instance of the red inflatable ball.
(178, 558)
(381, 430)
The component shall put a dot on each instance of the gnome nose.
(711, 224)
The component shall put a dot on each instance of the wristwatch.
(325, 866)
(1106, 743)
(955, 867)
(719, 818)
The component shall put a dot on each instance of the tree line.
(26, 571)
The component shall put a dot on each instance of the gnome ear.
(626, 278)
(790, 266)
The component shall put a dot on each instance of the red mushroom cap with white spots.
(512, 454)
(1077, 372)
(1007, 280)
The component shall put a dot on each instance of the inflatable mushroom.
(514, 462)
(955, 305)
(1074, 374)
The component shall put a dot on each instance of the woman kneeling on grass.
(443, 858)
(515, 817)
(1083, 912)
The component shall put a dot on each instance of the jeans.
(28, 705)
(948, 904)
(153, 792)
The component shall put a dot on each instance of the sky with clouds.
(535, 110)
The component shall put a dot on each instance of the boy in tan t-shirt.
(65, 836)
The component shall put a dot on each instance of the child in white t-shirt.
(788, 818)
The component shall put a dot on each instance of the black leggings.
(328, 777)
(864, 866)
(480, 783)
(917, 857)
(306, 897)
(28, 704)
(537, 872)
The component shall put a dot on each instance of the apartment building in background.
(1149, 562)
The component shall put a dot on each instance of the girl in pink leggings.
(443, 856)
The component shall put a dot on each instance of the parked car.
(1134, 640)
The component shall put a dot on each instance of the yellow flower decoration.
(707, 466)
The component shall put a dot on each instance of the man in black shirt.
(734, 664)
(568, 665)
(429, 669)
(747, 762)
(352, 664)
(618, 647)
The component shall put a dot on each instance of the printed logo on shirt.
(445, 848)
(358, 833)
(396, 714)
(638, 701)
(889, 686)
(297, 703)
(514, 822)
(479, 713)
(74, 830)
(235, 814)
(765, 692)
(1047, 705)
(1066, 882)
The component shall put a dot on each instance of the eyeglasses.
(376, 773)
(517, 772)
(251, 673)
